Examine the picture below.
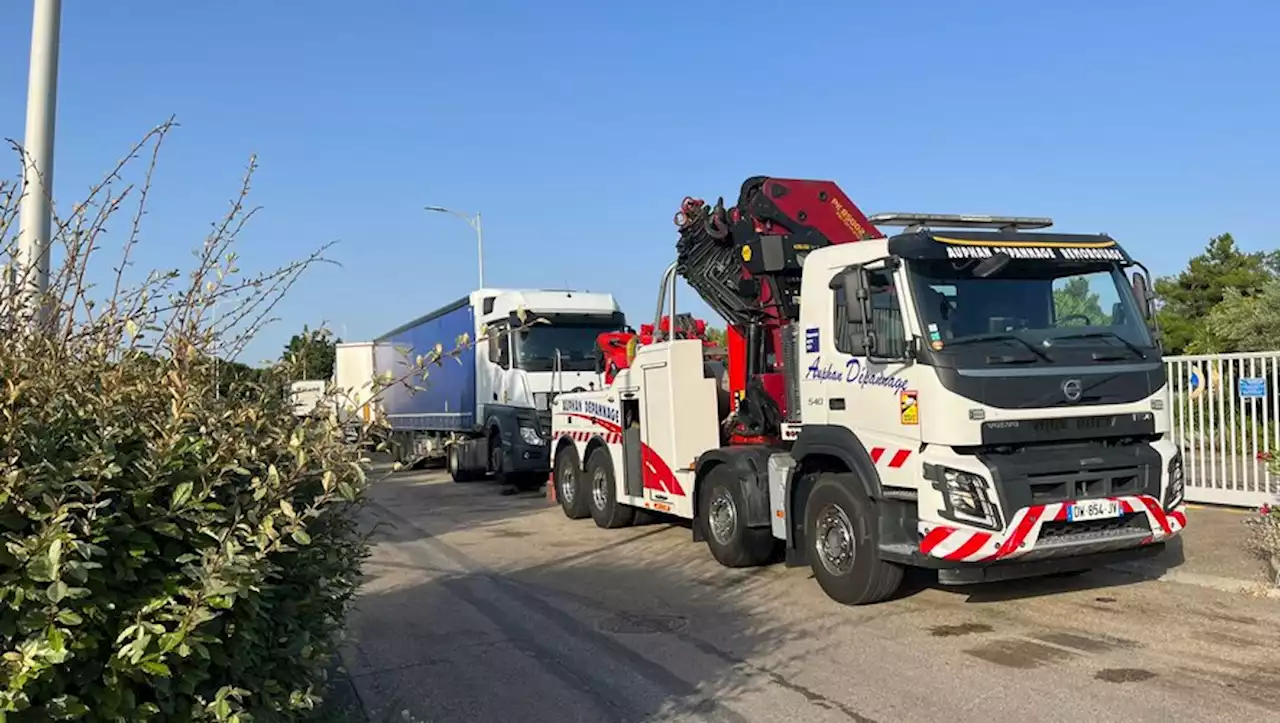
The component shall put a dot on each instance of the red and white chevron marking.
(1020, 535)
(585, 435)
(895, 459)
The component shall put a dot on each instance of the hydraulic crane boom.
(745, 262)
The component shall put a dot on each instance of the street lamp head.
(441, 209)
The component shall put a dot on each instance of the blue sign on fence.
(1253, 387)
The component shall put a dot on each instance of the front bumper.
(1042, 533)
(524, 457)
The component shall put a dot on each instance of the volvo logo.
(1071, 389)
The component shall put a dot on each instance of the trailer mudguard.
(830, 441)
(751, 464)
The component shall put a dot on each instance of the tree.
(1187, 299)
(1075, 299)
(313, 354)
(1241, 323)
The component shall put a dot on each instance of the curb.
(1225, 584)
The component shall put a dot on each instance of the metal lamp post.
(474, 222)
(35, 211)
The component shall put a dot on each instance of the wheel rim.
(453, 461)
(599, 488)
(722, 515)
(834, 540)
(567, 477)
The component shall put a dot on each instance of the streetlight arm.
(474, 223)
(465, 217)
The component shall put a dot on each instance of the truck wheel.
(570, 488)
(723, 509)
(843, 538)
(605, 508)
(456, 470)
(496, 457)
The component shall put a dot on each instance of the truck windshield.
(536, 346)
(1054, 307)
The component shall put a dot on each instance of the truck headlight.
(531, 437)
(1174, 492)
(965, 495)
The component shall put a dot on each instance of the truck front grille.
(1093, 484)
(1064, 532)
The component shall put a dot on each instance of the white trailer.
(306, 395)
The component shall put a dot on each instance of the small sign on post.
(1253, 387)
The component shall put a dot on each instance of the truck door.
(876, 400)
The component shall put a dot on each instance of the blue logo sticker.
(811, 345)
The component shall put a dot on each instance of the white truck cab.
(1012, 389)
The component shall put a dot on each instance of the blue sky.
(577, 127)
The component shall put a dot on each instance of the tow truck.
(971, 394)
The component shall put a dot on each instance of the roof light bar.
(916, 221)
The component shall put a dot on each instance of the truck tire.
(600, 482)
(841, 532)
(457, 471)
(571, 487)
(722, 514)
(496, 457)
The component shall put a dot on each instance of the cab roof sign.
(1064, 248)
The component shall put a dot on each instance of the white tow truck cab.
(989, 403)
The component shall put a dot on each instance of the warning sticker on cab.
(910, 407)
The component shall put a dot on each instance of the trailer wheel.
(571, 488)
(843, 538)
(605, 508)
(722, 509)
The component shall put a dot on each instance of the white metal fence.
(1226, 417)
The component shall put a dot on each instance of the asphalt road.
(480, 607)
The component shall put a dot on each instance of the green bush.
(171, 551)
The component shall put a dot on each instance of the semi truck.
(971, 394)
(484, 408)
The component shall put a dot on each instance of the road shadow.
(601, 635)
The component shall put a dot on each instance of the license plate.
(1093, 510)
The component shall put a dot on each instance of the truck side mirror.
(1142, 294)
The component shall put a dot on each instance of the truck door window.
(886, 319)
(500, 345)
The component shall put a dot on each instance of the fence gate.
(1226, 418)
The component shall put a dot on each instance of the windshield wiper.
(1106, 335)
(1001, 337)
